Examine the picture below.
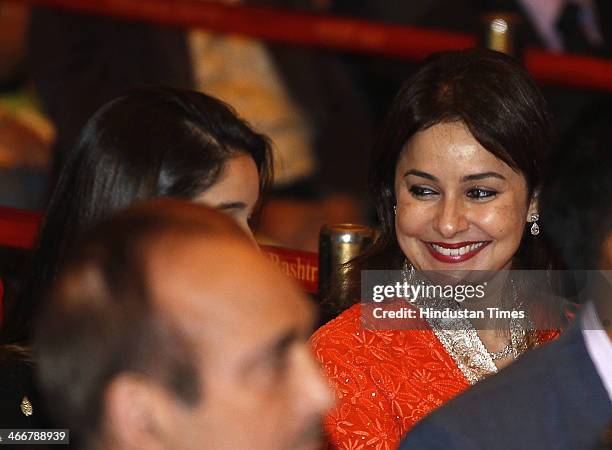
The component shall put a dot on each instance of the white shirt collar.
(598, 344)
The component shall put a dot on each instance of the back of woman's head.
(154, 142)
(490, 93)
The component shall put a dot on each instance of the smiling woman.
(455, 177)
(458, 205)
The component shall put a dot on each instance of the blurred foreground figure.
(559, 396)
(167, 329)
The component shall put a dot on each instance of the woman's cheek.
(412, 219)
(500, 220)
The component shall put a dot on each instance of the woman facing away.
(154, 142)
(455, 177)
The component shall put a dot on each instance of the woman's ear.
(534, 206)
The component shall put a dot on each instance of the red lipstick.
(455, 252)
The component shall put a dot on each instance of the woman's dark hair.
(153, 142)
(500, 105)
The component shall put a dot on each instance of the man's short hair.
(100, 319)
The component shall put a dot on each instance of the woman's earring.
(535, 228)
(395, 210)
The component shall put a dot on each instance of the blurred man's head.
(167, 329)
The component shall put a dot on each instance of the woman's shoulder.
(376, 374)
(349, 338)
(347, 322)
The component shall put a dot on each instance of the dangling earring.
(394, 210)
(408, 272)
(535, 228)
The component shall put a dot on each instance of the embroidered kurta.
(385, 381)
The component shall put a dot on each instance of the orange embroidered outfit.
(385, 381)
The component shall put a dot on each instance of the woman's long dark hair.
(154, 142)
(502, 108)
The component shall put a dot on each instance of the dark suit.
(382, 77)
(570, 107)
(552, 398)
(78, 62)
(531, 35)
(575, 111)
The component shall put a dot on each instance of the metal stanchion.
(502, 32)
(339, 244)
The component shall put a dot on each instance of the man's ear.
(534, 206)
(136, 410)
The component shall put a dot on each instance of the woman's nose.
(450, 218)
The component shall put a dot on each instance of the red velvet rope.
(18, 229)
(332, 32)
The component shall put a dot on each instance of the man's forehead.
(180, 263)
(210, 286)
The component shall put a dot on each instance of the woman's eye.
(480, 193)
(421, 191)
